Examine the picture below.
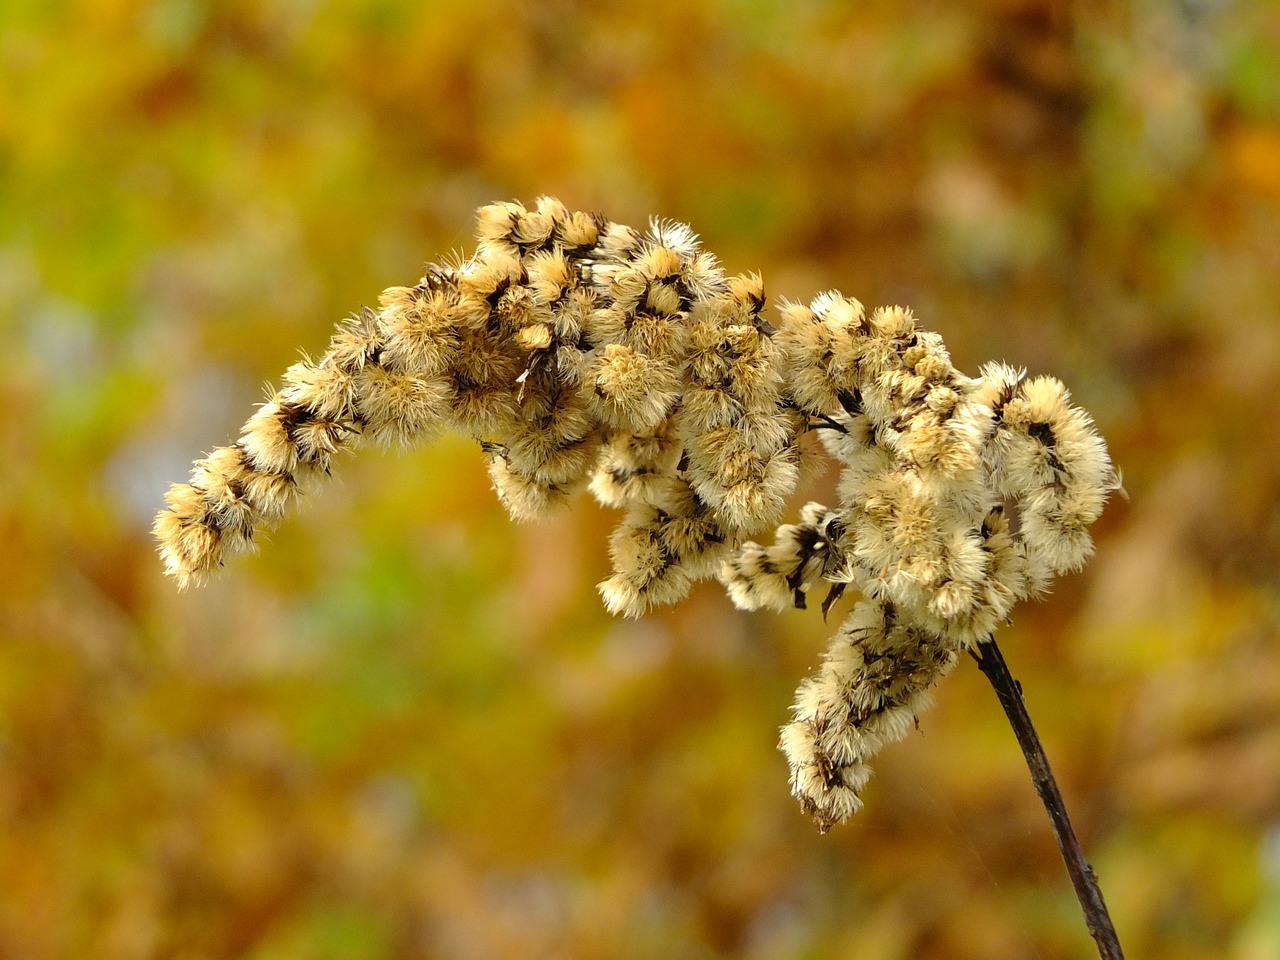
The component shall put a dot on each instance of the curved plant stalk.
(992, 664)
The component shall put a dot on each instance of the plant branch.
(991, 662)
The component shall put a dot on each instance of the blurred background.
(407, 729)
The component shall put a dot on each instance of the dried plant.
(583, 354)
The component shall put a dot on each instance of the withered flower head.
(583, 354)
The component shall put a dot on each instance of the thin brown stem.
(1097, 919)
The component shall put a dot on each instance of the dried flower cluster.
(584, 354)
(958, 497)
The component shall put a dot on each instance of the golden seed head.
(585, 354)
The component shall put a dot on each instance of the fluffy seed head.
(585, 354)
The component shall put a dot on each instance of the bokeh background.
(407, 728)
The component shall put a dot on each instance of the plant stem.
(991, 662)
